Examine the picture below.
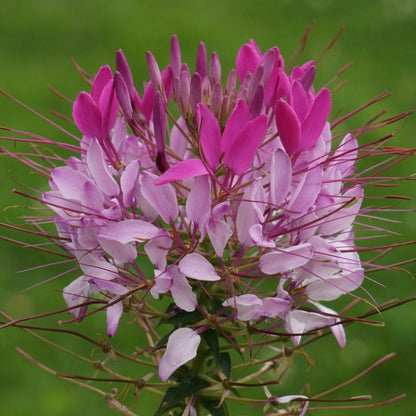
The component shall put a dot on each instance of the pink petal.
(68, 182)
(115, 238)
(210, 135)
(129, 182)
(198, 203)
(103, 77)
(299, 100)
(239, 117)
(181, 291)
(98, 168)
(182, 346)
(249, 307)
(219, 233)
(241, 155)
(162, 198)
(185, 169)
(314, 122)
(195, 266)
(157, 248)
(283, 260)
(114, 313)
(288, 127)
(248, 58)
(108, 105)
(86, 115)
(280, 176)
(306, 192)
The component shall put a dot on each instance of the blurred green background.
(39, 38)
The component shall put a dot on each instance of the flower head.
(233, 201)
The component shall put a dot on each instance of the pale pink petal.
(299, 322)
(115, 238)
(162, 283)
(114, 313)
(158, 247)
(185, 169)
(91, 196)
(97, 166)
(280, 176)
(342, 218)
(249, 307)
(337, 330)
(129, 182)
(68, 182)
(283, 260)
(195, 266)
(76, 293)
(198, 203)
(182, 347)
(306, 192)
(256, 234)
(162, 198)
(241, 154)
(274, 307)
(181, 290)
(219, 233)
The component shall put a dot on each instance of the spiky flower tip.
(232, 201)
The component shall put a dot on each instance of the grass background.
(38, 39)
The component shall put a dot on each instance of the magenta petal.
(248, 58)
(87, 115)
(162, 198)
(97, 166)
(283, 260)
(288, 127)
(241, 155)
(210, 135)
(239, 117)
(299, 100)
(182, 347)
(103, 77)
(314, 122)
(185, 169)
(195, 266)
(108, 105)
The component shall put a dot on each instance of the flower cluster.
(238, 199)
(230, 200)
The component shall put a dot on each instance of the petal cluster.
(202, 190)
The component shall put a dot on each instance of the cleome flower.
(231, 199)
